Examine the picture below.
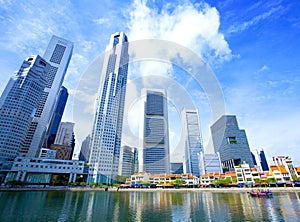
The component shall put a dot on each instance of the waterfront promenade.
(114, 189)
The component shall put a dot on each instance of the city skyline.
(259, 77)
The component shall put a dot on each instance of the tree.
(120, 179)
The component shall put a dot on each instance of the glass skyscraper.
(193, 142)
(56, 118)
(58, 55)
(231, 142)
(154, 133)
(128, 161)
(18, 106)
(107, 128)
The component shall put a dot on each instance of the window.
(232, 140)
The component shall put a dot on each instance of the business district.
(36, 147)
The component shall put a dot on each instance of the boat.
(261, 193)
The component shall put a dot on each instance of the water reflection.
(146, 206)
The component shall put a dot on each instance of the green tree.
(82, 184)
(120, 179)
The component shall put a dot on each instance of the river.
(146, 206)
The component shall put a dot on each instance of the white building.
(38, 170)
(18, 104)
(64, 134)
(154, 133)
(244, 174)
(47, 153)
(58, 55)
(107, 129)
(287, 162)
(193, 142)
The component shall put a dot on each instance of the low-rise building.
(276, 173)
(244, 174)
(286, 161)
(139, 177)
(40, 170)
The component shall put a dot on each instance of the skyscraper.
(107, 129)
(56, 118)
(154, 133)
(58, 55)
(231, 142)
(260, 160)
(128, 161)
(263, 160)
(18, 105)
(64, 134)
(193, 142)
(85, 149)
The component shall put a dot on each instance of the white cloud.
(264, 68)
(101, 21)
(192, 26)
(255, 20)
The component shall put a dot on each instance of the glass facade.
(58, 55)
(107, 129)
(18, 106)
(154, 147)
(231, 142)
(193, 142)
(56, 118)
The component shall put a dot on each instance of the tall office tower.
(154, 133)
(193, 142)
(127, 161)
(85, 149)
(58, 55)
(64, 134)
(263, 160)
(254, 161)
(107, 129)
(210, 163)
(176, 168)
(18, 105)
(231, 142)
(56, 118)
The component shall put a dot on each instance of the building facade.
(231, 142)
(287, 163)
(85, 149)
(63, 152)
(64, 134)
(176, 168)
(18, 105)
(154, 133)
(38, 170)
(260, 160)
(58, 55)
(193, 142)
(210, 163)
(128, 161)
(47, 153)
(56, 118)
(107, 128)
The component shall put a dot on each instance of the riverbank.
(113, 189)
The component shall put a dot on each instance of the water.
(146, 206)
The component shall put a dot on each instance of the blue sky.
(252, 47)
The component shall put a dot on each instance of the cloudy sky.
(252, 49)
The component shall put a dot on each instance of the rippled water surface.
(146, 206)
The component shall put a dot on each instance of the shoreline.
(113, 189)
